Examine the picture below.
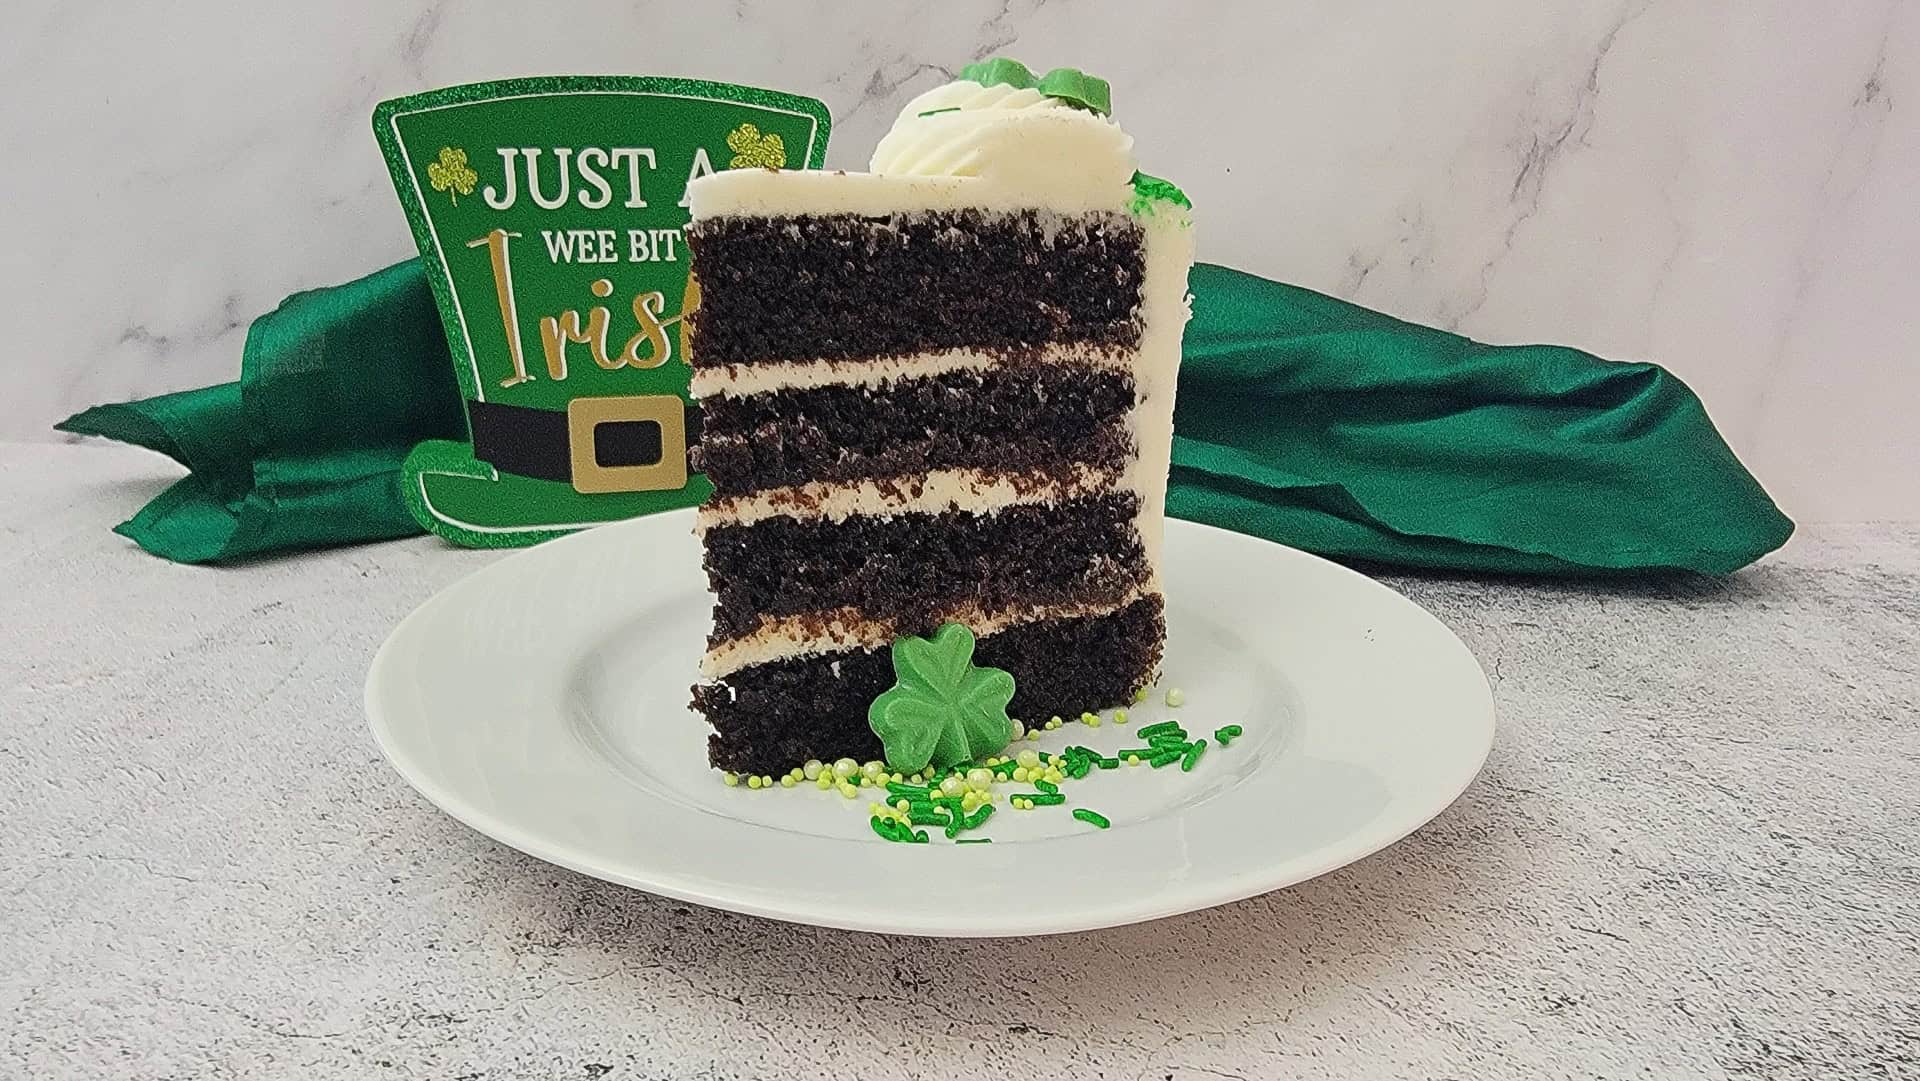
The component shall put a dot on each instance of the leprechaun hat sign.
(549, 214)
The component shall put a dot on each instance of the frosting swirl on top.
(1007, 135)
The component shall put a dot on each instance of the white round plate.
(544, 702)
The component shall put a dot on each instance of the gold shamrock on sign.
(451, 175)
(752, 150)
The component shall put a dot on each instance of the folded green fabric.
(1337, 429)
(1301, 419)
(336, 386)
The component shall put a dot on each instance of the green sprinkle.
(930, 816)
(985, 812)
(936, 112)
(1091, 818)
(888, 828)
(1005, 769)
(1224, 736)
(974, 841)
(1178, 735)
(1107, 763)
(1193, 755)
(1046, 786)
(1041, 799)
(1153, 730)
(920, 837)
(911, 791)
(1164, 757)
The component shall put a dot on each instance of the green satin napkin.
(336, 386)
(1301, 418)
(1337, 429)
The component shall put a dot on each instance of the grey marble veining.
(1725, 187)
(1692, 854)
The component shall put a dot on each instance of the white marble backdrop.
(1725, 186)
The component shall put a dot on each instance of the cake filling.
(976, 490)
(737, 380)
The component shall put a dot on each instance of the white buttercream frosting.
(785, 637)
(957, 145)
(973, 491)
(1006, 136)
(740, 380)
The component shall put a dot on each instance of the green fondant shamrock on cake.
(942, 709)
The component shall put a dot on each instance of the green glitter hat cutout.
(941, 709)
(1071, 85)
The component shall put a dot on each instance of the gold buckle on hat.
(667, 474)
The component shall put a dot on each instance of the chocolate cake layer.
(831, 287)
(1027, 417)
(769, 718)
(908, 568)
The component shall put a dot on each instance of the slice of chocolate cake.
(941, 391)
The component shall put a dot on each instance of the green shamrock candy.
(941, 709)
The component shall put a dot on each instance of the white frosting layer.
(786, 638)
(1015, 137)
(740, 380)
(974, 490)
(997, 149)
(1164, 309)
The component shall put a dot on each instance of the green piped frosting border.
(1148, 190)
(1071, 85)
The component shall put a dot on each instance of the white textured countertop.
(1695, 852)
